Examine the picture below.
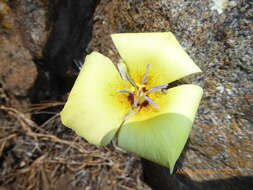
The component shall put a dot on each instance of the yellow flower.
(130, 100)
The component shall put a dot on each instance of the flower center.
(139, 98)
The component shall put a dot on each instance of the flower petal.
(95, 110)
(168, 61)
(161, 138)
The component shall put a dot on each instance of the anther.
(124, 75)
(160, 87)
(125, 91)
(145, 76)
(151, 102)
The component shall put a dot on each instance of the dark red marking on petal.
(131, 98)
(144, 104)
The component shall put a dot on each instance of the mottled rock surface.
(220, 42)
(24, 29)
(18, 72)
(34, 22)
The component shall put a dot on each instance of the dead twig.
(8, 137)
(42, 106)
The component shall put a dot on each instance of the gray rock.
(220, 42)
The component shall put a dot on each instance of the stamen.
(158, 87)
(151, 102)
(124, 75)
(122, 71)
(145, 76)
(125, 91)
(131, 81)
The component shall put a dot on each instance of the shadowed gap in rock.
(71, 32)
